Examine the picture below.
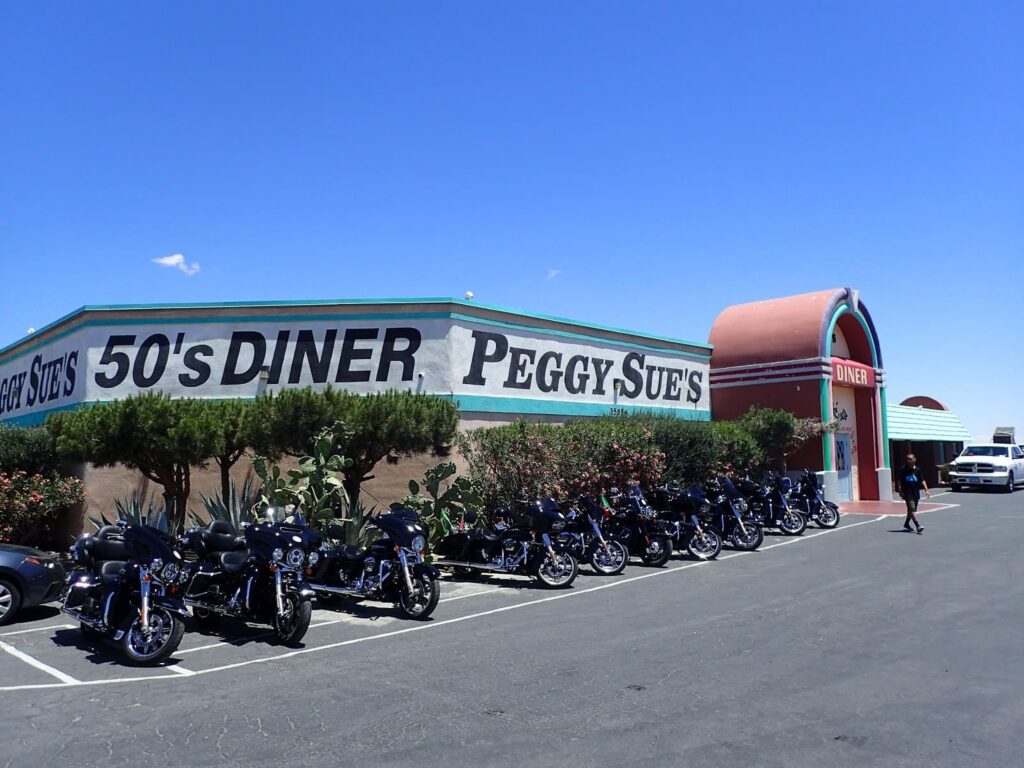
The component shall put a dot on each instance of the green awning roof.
(912, 423)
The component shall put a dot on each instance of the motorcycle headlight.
(314, 558)
(169, 572)
(741, 505)
(278, 554)
(296, 557)
(418, 544)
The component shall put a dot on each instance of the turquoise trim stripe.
(698, 357)
(470, 403)
(487, 404)
(826, 439)
(886, 461)
(872, 341)
(81, 311)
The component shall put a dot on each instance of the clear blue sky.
(666, 159)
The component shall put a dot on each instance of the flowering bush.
(30, 504)
(538, 460)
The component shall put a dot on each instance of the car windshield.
(986, 450)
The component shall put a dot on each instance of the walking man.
(911, 481)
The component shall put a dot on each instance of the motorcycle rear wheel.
(610, 562)
(705, 545)
(166, 631)
(828, 517)
(749, 541)
(291, 626)
(658, 552)
(556, 573)
(422, 601)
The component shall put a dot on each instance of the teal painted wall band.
(697, 356)
(346, 302)
(826, 439)
(473, 403)
(487, 404)
(885, 429)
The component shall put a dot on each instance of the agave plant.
(237, 509)
(138, 508)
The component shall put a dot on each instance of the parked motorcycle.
(586, 541)
(519, 542)
(390, 569)
(257, 577)
(730, 516)
(769, 505)
(635, 523)
(807, 497)
(684, 511)
(124, 586)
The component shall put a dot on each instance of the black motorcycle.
(124, 586)
(257, 577)
(635, 523)
(586, 541)
(518, 542)
(686, 513)
(730, 516)
(769, 505)
(390, 569)
(807, 497)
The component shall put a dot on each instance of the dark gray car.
(28, 577)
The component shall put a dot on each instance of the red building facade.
(816, 355)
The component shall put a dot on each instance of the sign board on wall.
(846, 373)
(485, 367)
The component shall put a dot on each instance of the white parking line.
(38, 629)
(65, 679)
(436, 624)
(179, 670)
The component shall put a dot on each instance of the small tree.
(161, 437)
(780, 433)
(233, 421)
(384, 426)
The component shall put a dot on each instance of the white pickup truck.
(988, 464)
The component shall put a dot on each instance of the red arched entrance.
(816, 355)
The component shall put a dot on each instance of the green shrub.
(736, 451)
(436, 508)
(30, 505)
(29, 449)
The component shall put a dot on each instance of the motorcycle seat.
(479, 535)
(219, 540)
(110, 572)
(232, 562)
(349, 552)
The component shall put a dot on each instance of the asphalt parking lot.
(858, 646)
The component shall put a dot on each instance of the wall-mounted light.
(262, 381)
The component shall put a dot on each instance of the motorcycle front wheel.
(749, 541)
(421, 602)
(556, 572)
(657, 552)
(828, 516)
(610, 561)
(146, 646)
(705, 545)
(793, 523)
(290, 626)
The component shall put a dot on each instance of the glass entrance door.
(843, 459)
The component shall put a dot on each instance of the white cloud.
(553, 273)
(178, 260)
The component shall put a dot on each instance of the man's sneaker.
(920, 529)
(907, 528)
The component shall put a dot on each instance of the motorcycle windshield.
(148, 543)
(400, 528)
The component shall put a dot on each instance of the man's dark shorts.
(911, 504)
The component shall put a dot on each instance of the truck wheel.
(1009, 483)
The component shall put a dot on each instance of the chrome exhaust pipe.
(474, 566)
(335, 590)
